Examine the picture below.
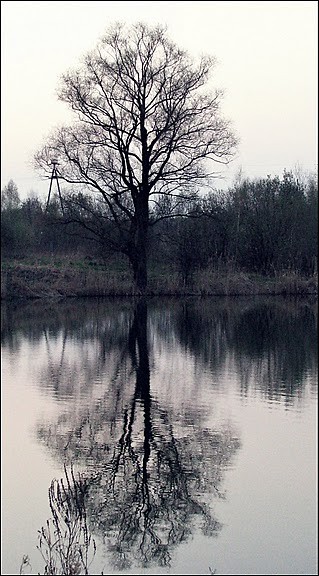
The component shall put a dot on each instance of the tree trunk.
(138, 254)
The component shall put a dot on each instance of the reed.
(65, 543)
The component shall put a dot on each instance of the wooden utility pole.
(55, 176)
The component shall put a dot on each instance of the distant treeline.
(263, 226)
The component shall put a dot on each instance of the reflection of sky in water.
(203, 379)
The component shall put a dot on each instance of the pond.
(172, 436)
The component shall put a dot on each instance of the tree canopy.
(10, 198)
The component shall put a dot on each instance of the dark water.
(193, 424)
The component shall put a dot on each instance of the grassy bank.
(60, 278)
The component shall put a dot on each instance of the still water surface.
(194, 424)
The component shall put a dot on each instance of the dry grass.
(65, 543)
(76, 279)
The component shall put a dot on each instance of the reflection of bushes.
(273, 341)
(278, 332)
(31, 319)
(275, 349)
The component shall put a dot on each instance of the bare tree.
(145, 126)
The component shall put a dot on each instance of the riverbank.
(64, 279)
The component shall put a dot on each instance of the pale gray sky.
(267, 65)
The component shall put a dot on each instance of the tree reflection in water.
(150, 480)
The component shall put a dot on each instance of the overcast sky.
(267, 66)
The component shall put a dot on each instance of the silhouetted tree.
(145, 127)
